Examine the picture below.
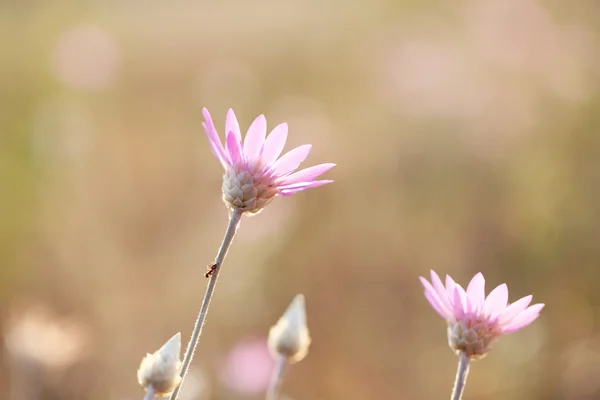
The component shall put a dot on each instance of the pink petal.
(307, 174)
(232, 125)
(476, 291)
(298, 187)
(496, 302)
(439, 287)
(274, 144)
(459, 308)
(466, 303)
(450, 285)
(291, 160)
(213, 138)
(233, 148)
(432, 296)
(255, 138)
(524, 319)
(514, 309)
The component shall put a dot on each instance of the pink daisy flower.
(475, 321)
(254, 172)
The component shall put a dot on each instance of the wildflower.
(248, 367)
(475, 322)
(289, 338)
(254, 172)
(159, 372)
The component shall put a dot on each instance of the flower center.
(248, 187)
(473, 336)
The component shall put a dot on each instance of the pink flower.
(475, 321)
(248, 367)
(254, 172)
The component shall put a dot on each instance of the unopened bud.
(289, 337)
(160, 370)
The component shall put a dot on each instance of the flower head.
(160, 371)
(254, 172)
(475, 321)
(289, 337)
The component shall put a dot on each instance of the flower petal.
(524, 319)
(450, 285)
(514, 309)
(298, 187)
(213, 138)
(232, 125)
(274, 144)
(307, 174)
(466, 303)
(255, 138)
(442, 292)
(496, 302)
(291, 160)
(432, 296)
(476, 291)
(459, 307)
(233, 148)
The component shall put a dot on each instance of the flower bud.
(160, 370)
(247, 191)
(290, 337)
(474, 338)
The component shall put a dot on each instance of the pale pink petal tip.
(432, 296)
(274, 144)
(523, 319)
(233, 148)
(232, 125)
(213, 138)
(295, 188)
(291, 160)
(255, 138)
(307, 174)
(476, 291)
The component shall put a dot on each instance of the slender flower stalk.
(461, 377)
(234, 222)
(149, 393)
(277, 378)
(254, 175)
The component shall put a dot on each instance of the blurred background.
(466, 138)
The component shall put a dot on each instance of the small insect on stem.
(211, 269)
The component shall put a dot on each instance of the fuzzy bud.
(472, 337)
(290, 337)
(160, 370)
(247, 191)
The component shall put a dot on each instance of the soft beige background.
(466, 137)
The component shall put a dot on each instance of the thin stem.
(461, 376)
(276, 379)
(234, 222)
(149, 393)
